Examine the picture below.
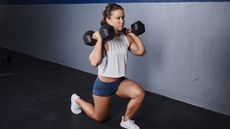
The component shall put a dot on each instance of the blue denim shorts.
(106, 88)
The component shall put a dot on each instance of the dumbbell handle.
(126, 30)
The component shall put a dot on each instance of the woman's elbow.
(141, 53)
(94, 63)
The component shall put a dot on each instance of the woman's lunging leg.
(97, 111)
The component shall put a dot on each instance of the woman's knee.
(139, 95)
(99, 119)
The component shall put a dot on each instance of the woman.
(110, 58)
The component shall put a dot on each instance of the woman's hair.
(108, 10)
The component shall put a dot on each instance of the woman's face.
(116, 19)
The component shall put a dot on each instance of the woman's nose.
(122, 21)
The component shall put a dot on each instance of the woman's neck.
(117, 33)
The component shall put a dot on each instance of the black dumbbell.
(107, 32)
(137, 28)
(87, 38)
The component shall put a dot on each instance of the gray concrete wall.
(187, 44)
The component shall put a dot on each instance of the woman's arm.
(136, 46)
(96, 55)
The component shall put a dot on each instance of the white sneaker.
(128, 124)
(75, 108)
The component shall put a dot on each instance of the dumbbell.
(107, 32)
(137, 28)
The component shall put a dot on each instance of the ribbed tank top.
(114, 61)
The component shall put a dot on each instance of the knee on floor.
(99, 119)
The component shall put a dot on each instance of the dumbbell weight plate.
(107, 32)
(138, 28)
(87, 38)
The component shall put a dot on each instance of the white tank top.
(114, 61)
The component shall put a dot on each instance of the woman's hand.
(97, 36)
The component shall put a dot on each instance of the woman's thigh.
(129, 89)
(101, 106)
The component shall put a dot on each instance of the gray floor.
(35, 94)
